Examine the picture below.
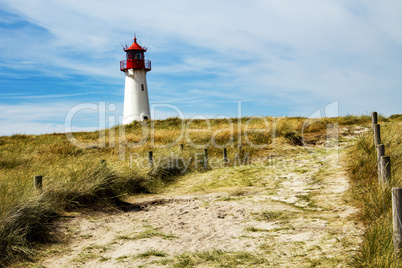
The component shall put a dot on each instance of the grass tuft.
(219, 258)
(273, 216)
(149, 232)
(152, 252)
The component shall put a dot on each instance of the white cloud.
(49, 117)
(11, 128)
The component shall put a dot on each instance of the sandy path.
(293, 213)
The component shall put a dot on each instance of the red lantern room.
(135, 58)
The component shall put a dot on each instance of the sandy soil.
(295, 213)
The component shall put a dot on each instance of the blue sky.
(276, 57)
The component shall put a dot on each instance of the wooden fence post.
(205, 159)
(396, 216)
(38, 182)
(246, 159)
(380, 152)
(240, 154)
(225, 156)
(374, 118)
(385, 169)
(150, 159)
(377, 134)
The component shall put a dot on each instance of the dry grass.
(74, 177)
(377, 249)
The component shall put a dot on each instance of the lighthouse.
(135, 68)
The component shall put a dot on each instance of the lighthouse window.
(134, 55)
(138, 56)
(142, 87)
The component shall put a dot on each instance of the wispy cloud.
(20, 96)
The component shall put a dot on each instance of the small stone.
(221, 215)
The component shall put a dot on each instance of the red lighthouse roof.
(135, 46)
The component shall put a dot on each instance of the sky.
(59, 59)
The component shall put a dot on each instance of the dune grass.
(219, 258)
(75, 176)
(377, 249)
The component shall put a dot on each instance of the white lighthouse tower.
(135, 67)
